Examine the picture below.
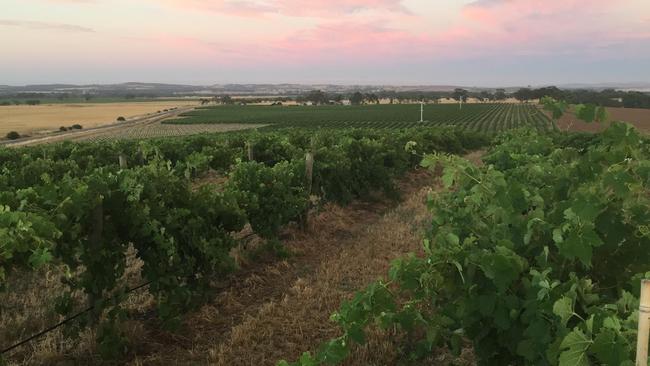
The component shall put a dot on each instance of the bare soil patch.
(638, 117)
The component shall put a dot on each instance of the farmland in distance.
(477, 117)
(27, 119)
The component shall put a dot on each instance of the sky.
(402, 42)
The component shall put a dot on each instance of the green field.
(478, 117)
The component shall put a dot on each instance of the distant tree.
(549, 91)
(121, 119)
(486, 95)
(76, 126)
(523, 95)
(356, 98)
(316, 97)
(33, 102)
(88, 98)
(337, 98)
(13, 135)
(226, 99)
(636, 100)
(372, 98)
(5, 103)
(500, 94)
(63, 128)
(204, 101)
(460, 94)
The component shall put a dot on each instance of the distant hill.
(162, 89)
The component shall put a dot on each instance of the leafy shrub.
(76, 127)
(13, 135)
(271, 196)
(535, 258)
(63, 128)
(121, 119)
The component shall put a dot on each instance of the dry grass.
(354, 257)
(28, 308)
(31, 119)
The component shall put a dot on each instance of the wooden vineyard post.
(95, 239)
(309, 172)
(644, 325)
(123, 161)
(249, 151)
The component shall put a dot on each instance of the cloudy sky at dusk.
(471, 43)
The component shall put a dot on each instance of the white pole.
(644, 325)
(421, 111)
(460, 103)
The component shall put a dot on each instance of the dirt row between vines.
(282, 309)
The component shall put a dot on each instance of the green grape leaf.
(575, 346)
(611, 348)
(333, 352)
(564, 309)
(39, 257)
(576, 246)
(452, 239)
(502, 266)
(306, 359)
(557, 236)
(357, 334)
(448, 177)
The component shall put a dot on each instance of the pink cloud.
(300, 8)
(348, 41)
(495, 29)
(47, 26)
(532, 27)
(330, 42)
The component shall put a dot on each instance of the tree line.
(605, 98)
